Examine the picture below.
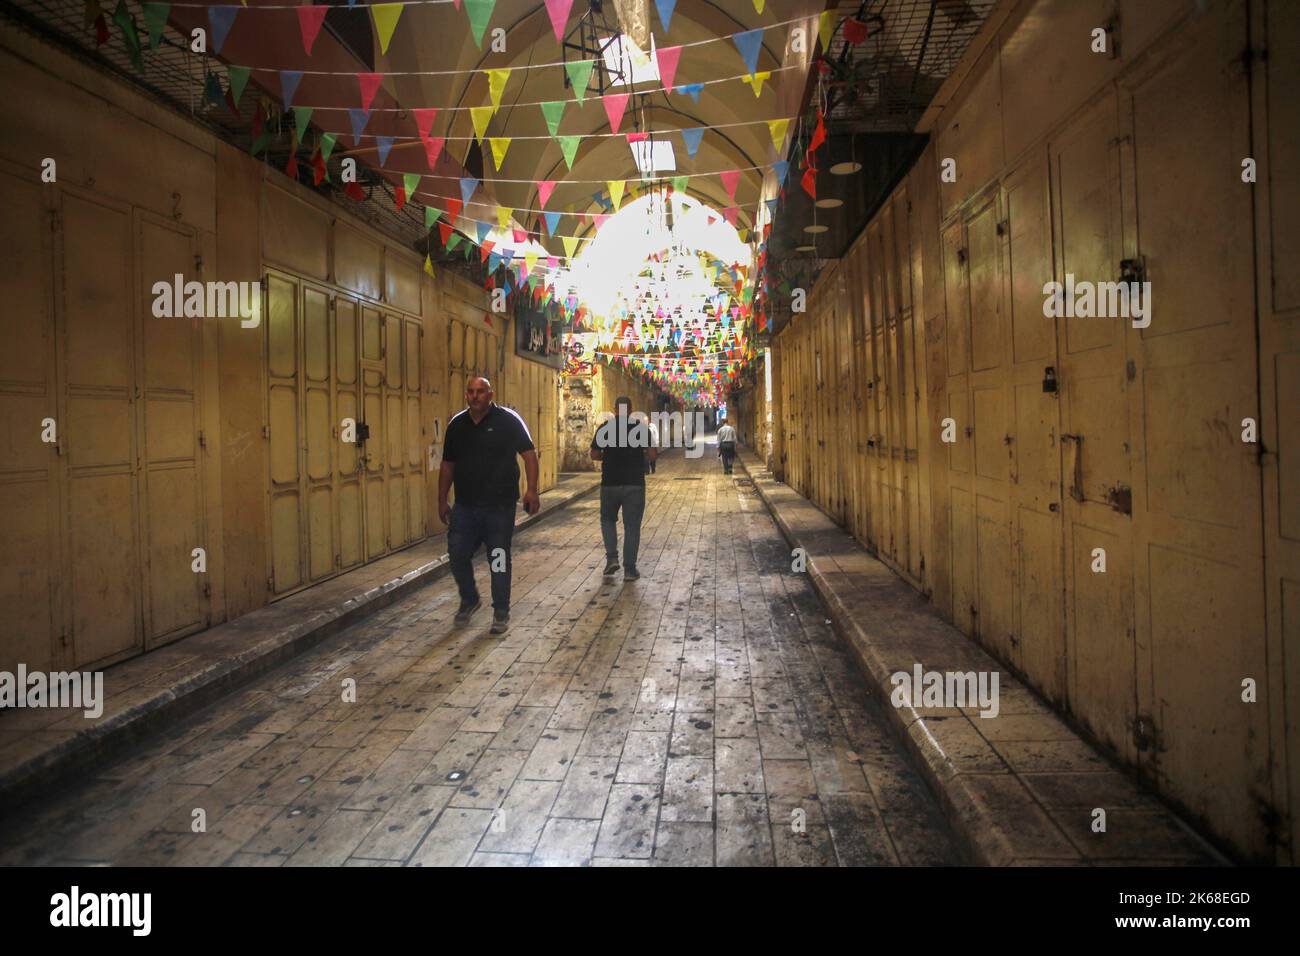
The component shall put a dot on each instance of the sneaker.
(466, 611)
(611, 568)
(500, 622)
(631, 574)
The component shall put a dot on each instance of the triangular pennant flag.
(428, 264)
(558, 11)
(809, 182)
(454, 206)
(221, 18)
(479, 13)
(729, 180)
(482, 229)
(544, 189)
(758, 5)
(430, 214)
(520, 235)
(680, 184)
(819, 134)
(503, 216)
(781, 167)
(692, 90)
(666, 8)
(826, 28)
(301, 117)
(552, 220)
(494, 260)
(327, 142)
(668, 57)
(778, 128)
(554, 111)
(433, 149)
(359, 120)
(570, 244)
(310, 19)
(691, 136)
(756, 81)
(385, 15)
(424, 120)
(452, 240)
(497, 80)
(369, 84)
(730, 215)
(771, 209)
(238, 80)
(445, 233)
(385, 144)
(155, 18)
(289, 80)
(749, 44)
(480, 116)
(499, 146)
(410, 183)
(569, 147)
(579, 73)
(467, 186)
(616, 187)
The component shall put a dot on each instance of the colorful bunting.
(479, 13)
(668, 57)
(497, 80)
(730, 179)
(155, 18)
(781, 167)
(680, 184)
(569, 147)
(289, 80)
(480, 116)
(430, 215)
(433, 149)
(385, 16)
(301, 117)
(579, 73)
(778, 128)
(558, 11)
(327, 142)
(220, 19)
(691, 137)
(756, 81)
(369, 86)
(499, 146)
(467, 186)
(310, 20)
(826, 29)
(552, 220)
(385, 144)
(666, 8)
(359, 120)
(554, 111)
(692, 90)
(238, 80)
(749, 44)
(616, 187)
(615, 105)
(424, 120)
(544, 189)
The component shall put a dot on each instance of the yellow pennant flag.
(497, 86)
(481, 116)
(742, 233)
(777, 128)
(385, 15)
(758, 5)
(756, 81)
(428, 264)
(825, 27)
(570, 244)
(530, 260)
(499, 146)
(503, 216)
(616, 187)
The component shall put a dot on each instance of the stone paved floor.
(692, 717)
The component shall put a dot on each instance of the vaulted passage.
(950, 355)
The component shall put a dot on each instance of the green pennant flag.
(468, 247)
(130, 38)
(679, 184)
(238, 80)
(431, 216)
(453, 241)
(553, 111)
(327, 141)
(479, 13)
(301, 117)
(569, 146)
(579, 76)
(259, 144)
(155, 18)
(410, 182)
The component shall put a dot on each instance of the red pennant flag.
(399, 199)
(615, 105)
(809, 182)
(544, 189)
(317, 168)
(310, 19)
(668, 57)
(433, 149)
(355, 191)
(369, 83)
(454, 206)
(424, 120)
(485, 250)
(819, 134)
(729, 180)
(855, 31)
(637, 137)
(730, 214)
(444, 232)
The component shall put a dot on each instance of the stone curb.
(75, 755)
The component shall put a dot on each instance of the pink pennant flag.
(668, 57)
(520, 236)
(433, 149)
(544, 189)
(369, 83)
(729, 179)
(552, 262)
(424, 119)
(615, 105)
(310, 20)
(558, 11)
(637, 137)
(730, 214)
(599, 218)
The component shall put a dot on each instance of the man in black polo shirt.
(622, 446)
(478, 454)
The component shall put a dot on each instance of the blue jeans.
(631, 498)
(488, 525)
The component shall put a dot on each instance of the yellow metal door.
(320, 429)
(375, 450)
(285, 493)
(348, 474)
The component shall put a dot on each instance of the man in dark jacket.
(622, 446)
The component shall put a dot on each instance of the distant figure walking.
(622, 446)
(727, 446)
(478, 455)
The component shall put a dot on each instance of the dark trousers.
(631, 498)
(728, 449)
(492, 526)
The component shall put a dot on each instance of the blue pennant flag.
(749, 43)
(467, 186)
(781, 167)
(691, 89)
(691, 137)
(771, 208)
(385, 144)
(359, 120)
(494, 260)
(483, 229)
(552, 220)
(508, 255)
(221, 19)
(666, 8)
(289, 80)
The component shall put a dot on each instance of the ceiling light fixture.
(847, 168)
(829, 203)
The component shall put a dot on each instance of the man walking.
(478, 455)
(726, 446)
(622, 446)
